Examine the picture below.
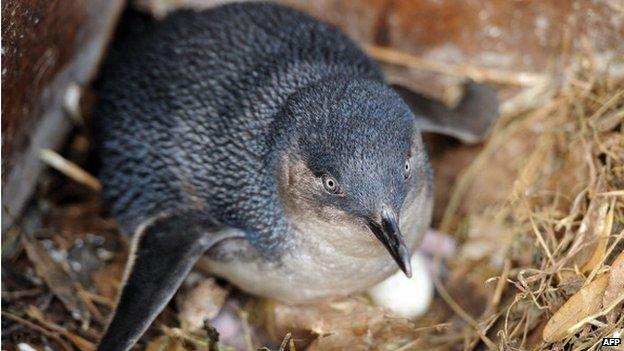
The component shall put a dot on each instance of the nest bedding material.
(538, 213)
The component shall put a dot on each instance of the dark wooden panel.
(47, 46)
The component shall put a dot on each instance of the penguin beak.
(388, 232)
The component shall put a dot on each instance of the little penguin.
(266, 143)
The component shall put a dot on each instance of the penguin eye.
(407, 169)
(330, 184)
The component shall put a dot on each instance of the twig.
(540, 238)
(33, 326)
(612, 193)
(478, 74)
(500, 286)
(80, 342)
(70, 169)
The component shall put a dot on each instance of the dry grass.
(542, 206)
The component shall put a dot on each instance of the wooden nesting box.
(48, 47)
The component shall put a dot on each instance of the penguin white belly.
(310, 272)
(327, 260)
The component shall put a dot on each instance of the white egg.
(406, 297)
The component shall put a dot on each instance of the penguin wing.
(163, 252)
(469, 122)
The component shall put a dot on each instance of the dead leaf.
(588, 249)
(203, 301)
(57, 278)
(615, 288)
(584, 303)
(165, 343)
(336, 342)
(601, 231)
(108, 279)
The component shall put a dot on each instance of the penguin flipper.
(470, 121)
(162, 254)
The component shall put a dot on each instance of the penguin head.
(352, 156)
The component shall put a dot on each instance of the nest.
(538, 213)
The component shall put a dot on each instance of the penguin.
(265, 143)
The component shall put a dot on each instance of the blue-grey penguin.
(265, 142)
